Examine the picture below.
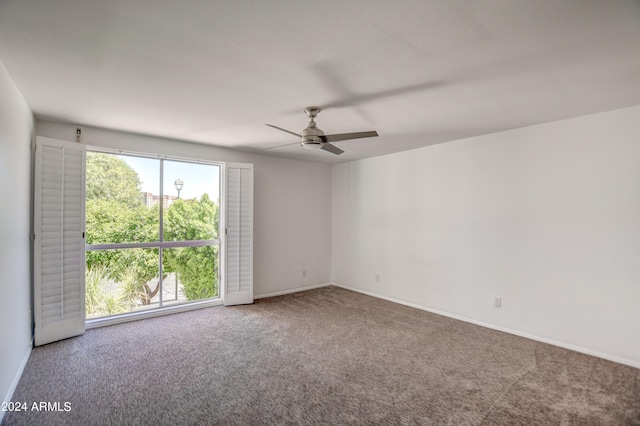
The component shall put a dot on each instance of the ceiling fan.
(314, 138)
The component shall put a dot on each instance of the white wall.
(16, 134)
(292, 219)
(546, 217)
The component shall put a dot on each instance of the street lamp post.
(179, 184)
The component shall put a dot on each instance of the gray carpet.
(326, 356)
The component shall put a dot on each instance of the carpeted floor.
(325, 356)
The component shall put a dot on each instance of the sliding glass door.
(152, 233)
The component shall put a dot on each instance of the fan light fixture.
(311, 145)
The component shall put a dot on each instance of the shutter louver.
(59, 244)
(239, 235)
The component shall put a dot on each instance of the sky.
(198, 178)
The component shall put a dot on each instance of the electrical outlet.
(377, 278)
(497, 302)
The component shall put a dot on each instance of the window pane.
(191, 273)
(121, 281)
(121, 207)
(124, 204)
(192, 193)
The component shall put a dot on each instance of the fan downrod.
(312, 111)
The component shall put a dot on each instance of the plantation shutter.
(238, 288)
(59, 257)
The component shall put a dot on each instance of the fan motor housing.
(312, 134)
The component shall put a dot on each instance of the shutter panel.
(59, 258)
(238, 285)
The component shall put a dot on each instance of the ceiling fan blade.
(347, 136)
(356, 99)
(336, 81)
(280, 146)
(331, 148)
(284, 130)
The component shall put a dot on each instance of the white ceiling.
(419, 72)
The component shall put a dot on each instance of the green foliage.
(111, 178)
(197, 267)
(118, 280)
(115, 214)
(113, 222)
(131, 287)
(101, 298)
(110, 221)
(95, 283)
(187, 220)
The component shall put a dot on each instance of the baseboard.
(553, 342)
(16, 379)
(294, 290)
